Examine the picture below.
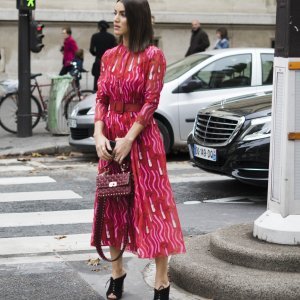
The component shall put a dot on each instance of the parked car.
(190, 84)
(232, 137)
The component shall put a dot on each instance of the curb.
(53, 150)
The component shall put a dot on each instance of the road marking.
(9, 161)
(200, 178)
(15, 168)
(47, 218)
(192, 202)
(17, 260)
(45, 244)
(173, 166)
(231, 200)
(25, 180)
(35, 196)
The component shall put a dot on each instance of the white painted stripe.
(46, 218)
(172, 166)
(17, 260)
(236, 199)
(192, 202)
(25, 180)
(9, 161)
(34, 196)
(179, 179)
(43, 244)
(15, 168)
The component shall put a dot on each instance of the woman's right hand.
(102, 148)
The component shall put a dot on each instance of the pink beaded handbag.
(110, 187)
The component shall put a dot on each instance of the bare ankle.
(162, 284)
(118, 273)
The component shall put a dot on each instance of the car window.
(228, 72)
(180, 67)
(267, 68)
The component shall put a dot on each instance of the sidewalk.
(41, 141)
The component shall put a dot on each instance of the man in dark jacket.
(100, 42)
(199, 39)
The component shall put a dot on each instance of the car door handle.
(189, 120)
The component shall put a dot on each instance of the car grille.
(214, 130)
(81, 133)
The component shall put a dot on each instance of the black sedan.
(232, 138)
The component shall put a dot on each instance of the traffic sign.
(26, 4)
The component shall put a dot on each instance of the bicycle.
(9, 103)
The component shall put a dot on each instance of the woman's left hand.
(122, 149)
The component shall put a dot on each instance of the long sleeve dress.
(154, 228)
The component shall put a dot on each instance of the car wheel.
(165, 135)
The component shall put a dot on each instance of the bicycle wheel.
(9, 112)
(74, 100)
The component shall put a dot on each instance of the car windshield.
(180, 67)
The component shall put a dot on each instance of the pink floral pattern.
(154, 227)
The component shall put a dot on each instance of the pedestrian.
(128, 94)
(222, 38)
(100, 42)
(68, 50)
(77, 66)
(199, 39)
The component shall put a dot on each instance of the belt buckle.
(120, 107)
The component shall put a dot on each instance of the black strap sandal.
(116, 287)
(162, 293)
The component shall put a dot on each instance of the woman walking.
(128, 94)
(222, 38)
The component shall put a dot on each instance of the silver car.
(189, 85)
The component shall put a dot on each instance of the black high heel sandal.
(116, 287)
(162, 293)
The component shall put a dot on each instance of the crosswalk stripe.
(25, 180)
(44, 244)
(56, 258)
(34, 196)
(9, 161)
(200, 178)
(46, 218)
(173, 166)
(15, 168)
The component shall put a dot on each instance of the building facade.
(250, 24)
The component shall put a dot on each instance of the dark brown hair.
(68, 30)
(79, 54)
(223, 32)
(139, 24)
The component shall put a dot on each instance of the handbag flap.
(113, 180)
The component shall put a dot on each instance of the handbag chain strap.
(125, 166)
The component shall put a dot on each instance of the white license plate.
(72, 123)
(205, 153)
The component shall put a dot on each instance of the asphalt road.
(45, 222)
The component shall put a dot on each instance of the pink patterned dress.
(154, 228)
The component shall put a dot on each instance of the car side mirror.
(192, 85)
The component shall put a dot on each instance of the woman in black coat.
(100, 42)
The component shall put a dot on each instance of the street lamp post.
(281, 222)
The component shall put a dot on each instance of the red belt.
(121, 107)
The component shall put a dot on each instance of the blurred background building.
(250, 24)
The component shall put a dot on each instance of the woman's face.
(218, 33)
(120, 20)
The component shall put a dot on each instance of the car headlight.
(75, 111)
(91, 111)
(259, 129)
